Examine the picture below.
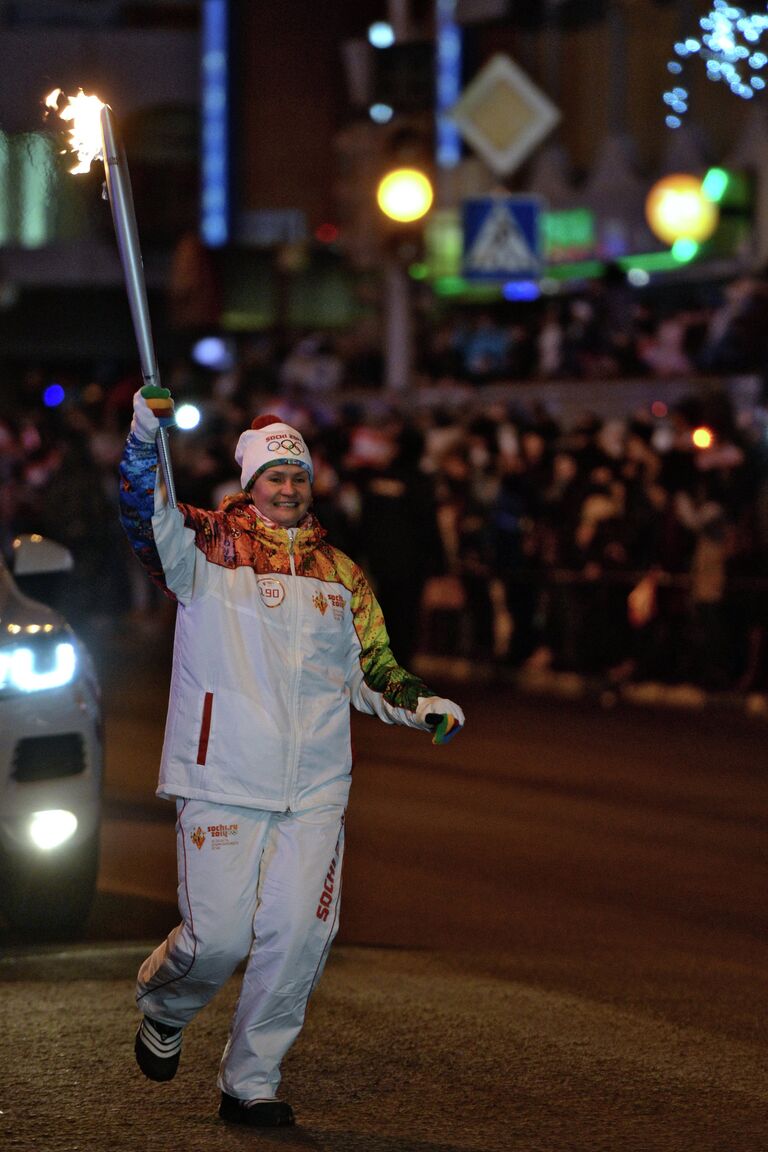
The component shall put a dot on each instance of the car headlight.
(51, 828)
(32, 667)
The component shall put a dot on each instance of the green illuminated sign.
(568, 235)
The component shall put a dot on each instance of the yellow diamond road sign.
(503, 115)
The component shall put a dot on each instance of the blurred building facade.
(305, 153)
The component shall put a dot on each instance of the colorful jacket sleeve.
(138, 475)
(158, 534)
(379, 686)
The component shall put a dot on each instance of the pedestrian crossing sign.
(501, 238)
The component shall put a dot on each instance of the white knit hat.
(270, 441)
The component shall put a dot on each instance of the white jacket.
(277, 633)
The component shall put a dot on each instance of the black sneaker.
(158, 1049)
(260, 1114)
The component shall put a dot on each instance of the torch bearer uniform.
(277, 633)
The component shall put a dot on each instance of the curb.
(574, 686)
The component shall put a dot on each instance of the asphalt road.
(554, 938)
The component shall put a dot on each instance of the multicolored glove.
(152, 409)
(443, 717)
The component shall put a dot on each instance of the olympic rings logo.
(292, 446)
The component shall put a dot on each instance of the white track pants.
(265, 885)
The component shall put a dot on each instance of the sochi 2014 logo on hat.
(270, 441)
(281, 443)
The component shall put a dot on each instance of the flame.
(84, 113)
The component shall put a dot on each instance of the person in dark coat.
(398, 538)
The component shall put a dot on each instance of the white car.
(51, 755)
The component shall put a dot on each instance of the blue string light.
(727, 45)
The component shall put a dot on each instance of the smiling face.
(283, 493)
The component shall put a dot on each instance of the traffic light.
(384, 189)
(405, 195)
(405, 189)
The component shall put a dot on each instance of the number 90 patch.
(271, 590)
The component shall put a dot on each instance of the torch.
(85, 135)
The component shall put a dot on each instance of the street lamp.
(678, 208)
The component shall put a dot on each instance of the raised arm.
(157, 533)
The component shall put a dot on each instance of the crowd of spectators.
(609, 330)
(491, 530)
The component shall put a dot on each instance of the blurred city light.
(215, 142)
(326, 233)
(381, 34)
(728, 48)
(381, 113)
(676, 208)
(405, 195)
(53, 396)
(187, 417)
(213, 352)
(448, 76)
(703, 437)
(638, 277)
(684, 249)
(715, 184)
(520, 290)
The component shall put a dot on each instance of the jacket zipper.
(293, 757)
(291, 546)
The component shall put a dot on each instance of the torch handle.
(120, 197)
(166, 467)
